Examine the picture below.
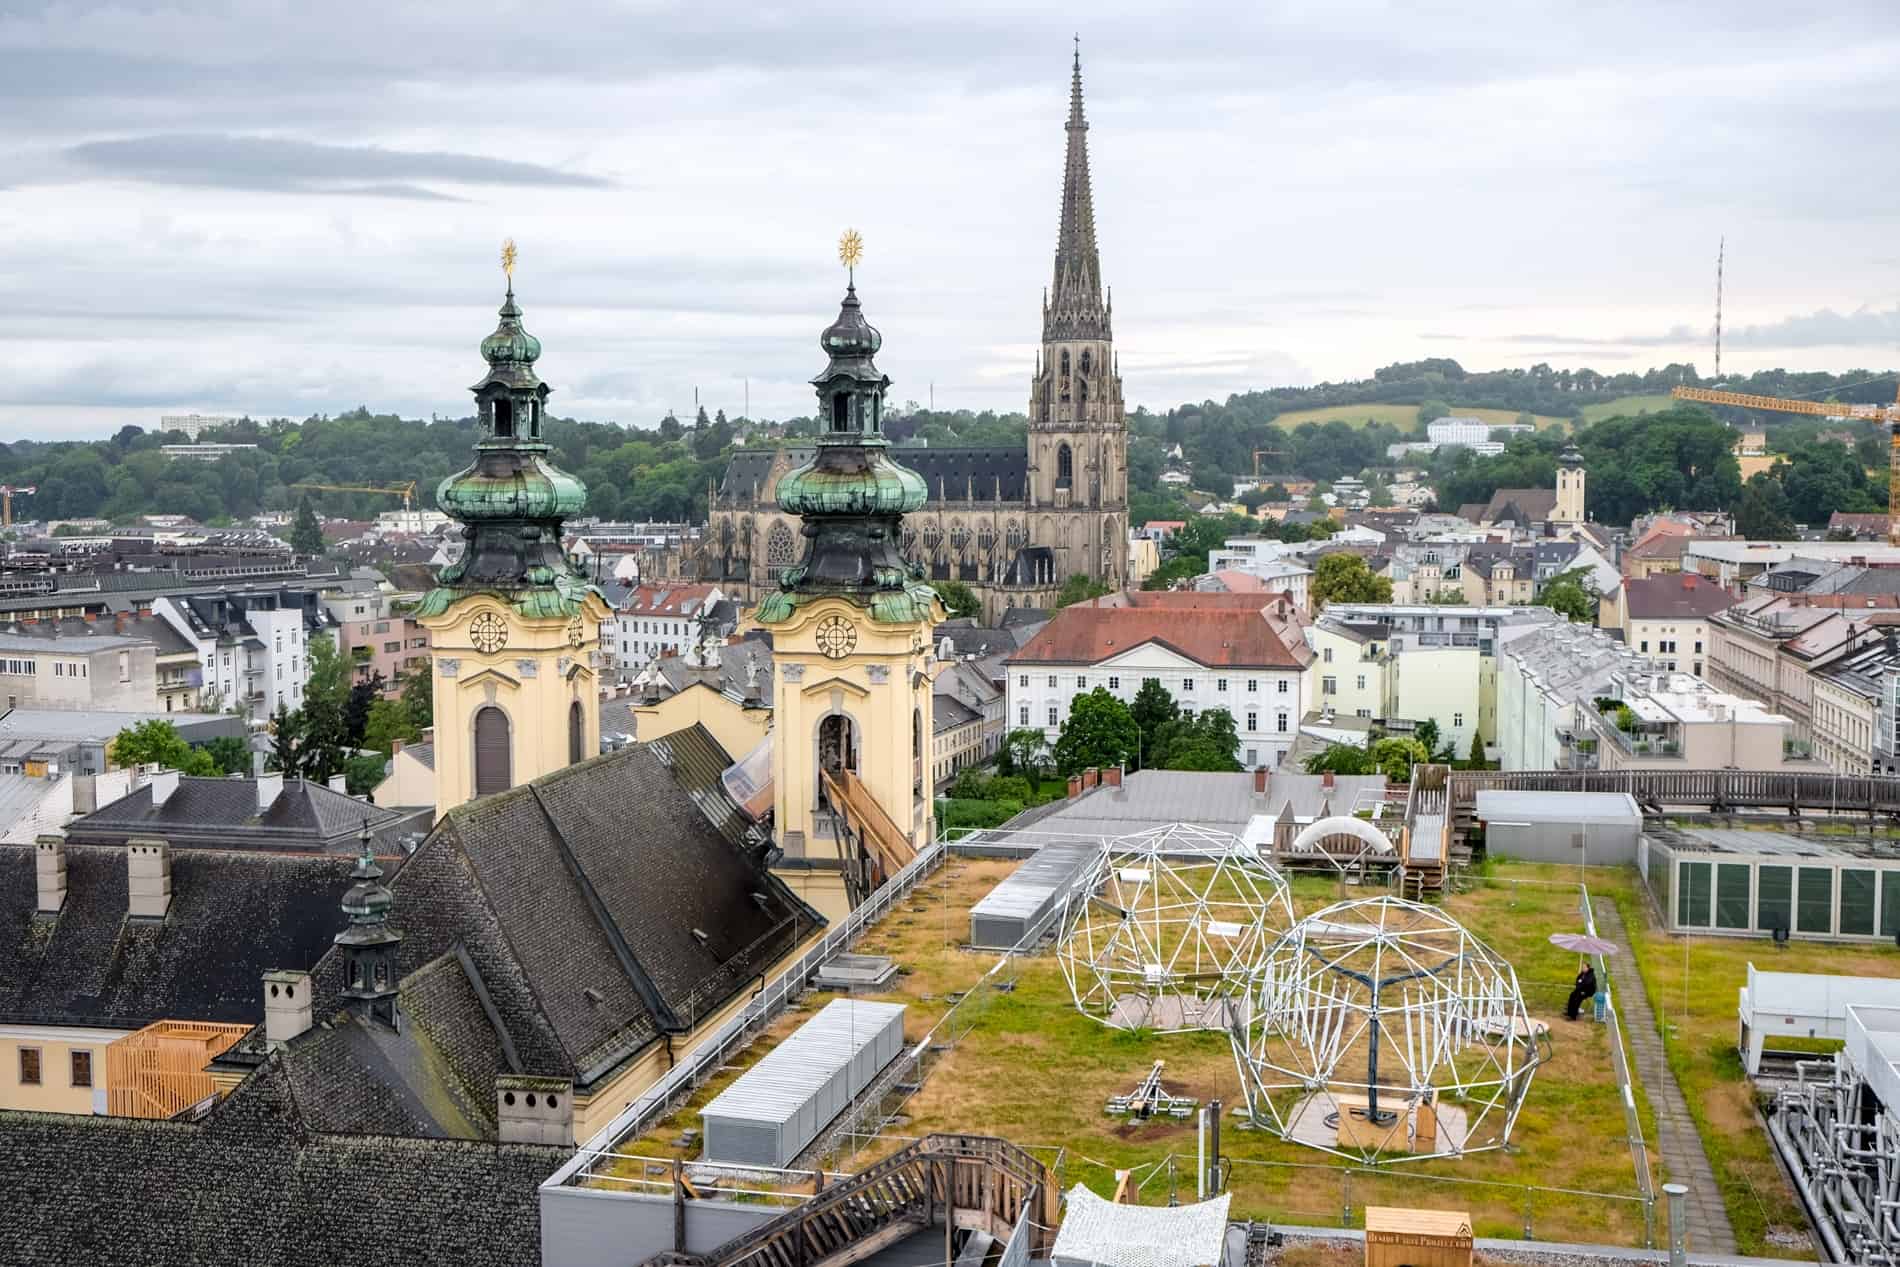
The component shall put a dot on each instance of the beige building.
(1769, 646)
(97, 671)
(1666, 617)
(969, 719)
(1499, 578)
(1847, 707)
(1678, 722)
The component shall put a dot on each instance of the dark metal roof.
(223, 812)
(950, 474)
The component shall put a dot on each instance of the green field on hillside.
(1628, 405)
(1402, 416)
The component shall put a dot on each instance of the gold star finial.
(508, 259)
(850, 251)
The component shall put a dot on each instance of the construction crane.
(1886, 415)
(405, 491)
(7, 493)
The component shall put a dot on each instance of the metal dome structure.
(1169, 928)
(1382, 1031)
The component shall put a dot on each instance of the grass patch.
(1628, 405)
(1697, 1015)
(1401, 416)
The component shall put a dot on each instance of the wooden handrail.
(889, 842)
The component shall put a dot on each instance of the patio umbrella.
(1583, 943)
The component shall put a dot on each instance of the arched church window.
(1065, 362)
(986, 537)
(841, 411)
(837, 750)
(916, 733)
(576, 733)
(778, 548)
(494, 756)
(504, 419)
(1085, 362)
(959, 536)
(933, 537)
(1013, 535)
(1065, 466)
(910, 539)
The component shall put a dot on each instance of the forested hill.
(662, 472)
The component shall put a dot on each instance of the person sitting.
(1586, 988)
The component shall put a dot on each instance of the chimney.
(164, 783)
(1326, 780)
(1112, 776)
(49, 855)
(119, 622)
(1075, 786)
(534, 1110)
(148, 878)
(269, 788)
(1260, 780)
(288, 1008)
(340, 783)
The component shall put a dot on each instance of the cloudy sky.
(282, 207)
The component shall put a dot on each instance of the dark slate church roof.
(551, 930)
(253, 1184)
(233, 917)
(951, 474)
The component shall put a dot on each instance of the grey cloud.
(1822, 329)
(278, 165)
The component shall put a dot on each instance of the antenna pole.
(1721, 249)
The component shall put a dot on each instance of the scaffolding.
(1169, 928)
(1381, 1030)
(159, 1071)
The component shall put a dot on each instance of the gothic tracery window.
(959, 536)
(778, 548)
(1013, 535)
(1065, 466)
(986, 538)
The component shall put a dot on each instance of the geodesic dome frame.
(1381, 1030)
(1169, 927)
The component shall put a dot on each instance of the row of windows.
(62, 668)
(1114, 683)
(1799, 899)
(79, 1068)
(19, 668)
(1253, 719)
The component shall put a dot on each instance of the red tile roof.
(666, 600)
(1674, 596)
(1227, 632)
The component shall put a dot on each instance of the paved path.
(1677, 1141)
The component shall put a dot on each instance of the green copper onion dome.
(852, 494)
(510, 344)
(511, 500)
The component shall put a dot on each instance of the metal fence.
(1632, 1120)
(772, 998)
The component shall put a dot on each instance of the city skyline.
(196, 220)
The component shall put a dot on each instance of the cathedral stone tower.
(1569, 487)
(1078, 434)
(851, 623)
(514, 627)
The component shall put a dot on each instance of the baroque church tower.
(851, 626)
(1078, 434)
(514, 626)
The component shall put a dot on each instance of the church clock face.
(488, 632)
(837, 637)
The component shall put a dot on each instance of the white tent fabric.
(1098, 1231)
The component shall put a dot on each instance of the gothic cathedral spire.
(1075, 308)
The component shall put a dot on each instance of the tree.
(230, 754)
(418, 694)
(1025, 752)
(1208, 741)
(1153, 709)
(1394, 757)
(1080, 587)
(306, 534)
(356, 707)
(1340, 758)
(1345, 578)
(1762, 513)
(362, 773)
(958, 599)
(1573, 594)
(388, 721)
(1099, 732)
(1476, 760)
(1429, 738)
(157, 742)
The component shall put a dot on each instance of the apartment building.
(1769, 646)
(660, 620)
(41, 667)
(1667, 616)
(376, 638)
(1850, 723)
(1547, 682)
(1208, 650)
(252, 645)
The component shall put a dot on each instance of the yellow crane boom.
(1887, 415)
(405, 491)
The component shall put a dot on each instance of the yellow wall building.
(851, 629)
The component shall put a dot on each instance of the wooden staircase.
(959, 1182)
(884, 842)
